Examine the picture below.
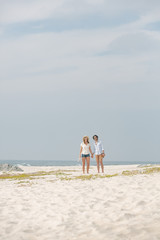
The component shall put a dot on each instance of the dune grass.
(151, 170)
(31, 176)
(63, 175)
(131, 173)
(20, 182)
(88, 177)
(66, 178)
(108, 175)
(143, 171)
(124, 173)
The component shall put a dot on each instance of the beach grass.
(31, 176)
(20, 182)
(131, 173)
(66, 175)
(151, 170)
(89, 177)
(108, 175)
(124, 173)
(148, 170)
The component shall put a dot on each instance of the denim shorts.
(85, 155)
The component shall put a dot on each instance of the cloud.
(63, 60)
(75, 56)
(34, 10)
(20, 11)
(134, 43)
(30, 56)
(70, 59)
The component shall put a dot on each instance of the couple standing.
(85, 151)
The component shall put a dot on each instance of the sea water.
(69, 162)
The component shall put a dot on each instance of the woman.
(85, 151)
(99, 152)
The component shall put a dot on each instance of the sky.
(74, 68)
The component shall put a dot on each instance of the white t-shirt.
(85, 148)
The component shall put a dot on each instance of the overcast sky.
(74, 68)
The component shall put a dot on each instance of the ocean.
(68, 162)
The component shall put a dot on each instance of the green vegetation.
(85, 177)
(131, 173)
(17, 177)
(23, 182)
(89, 177)
(151, 170)
(62, 175)
(143, 171)
(124, 173)
(66, 178)
(31, 175)
(108, 176)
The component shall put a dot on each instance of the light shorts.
(85, 155)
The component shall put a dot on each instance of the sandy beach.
(46, 203)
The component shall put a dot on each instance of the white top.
(85, 148)
(98, 148)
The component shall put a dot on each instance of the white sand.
(121, 207)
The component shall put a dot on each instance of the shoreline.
(71, 163)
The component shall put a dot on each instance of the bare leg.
(88, 164)
(83, 164)
(97, 160)
(101, 162)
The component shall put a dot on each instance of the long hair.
(87, 139)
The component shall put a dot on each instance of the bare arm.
(91, 151)
(94, 149)
(103, 150)
(80, 152)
